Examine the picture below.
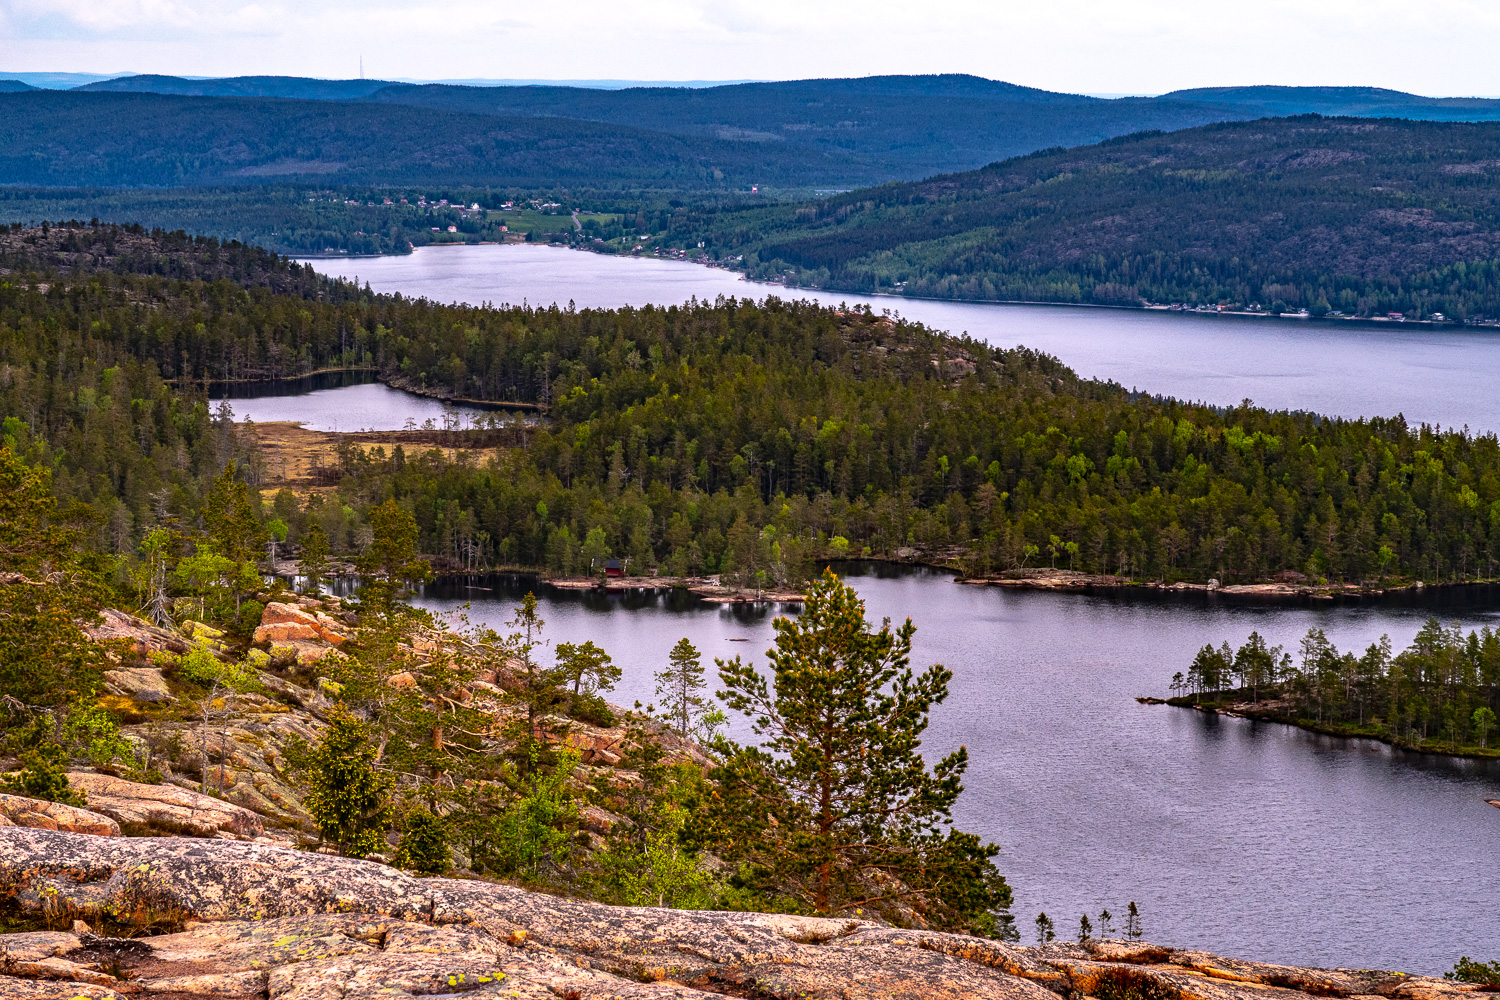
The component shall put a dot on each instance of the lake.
(341, 402)
(1439, 375)
(1245, 838)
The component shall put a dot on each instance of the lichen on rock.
(255, 920)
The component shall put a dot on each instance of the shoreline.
(1246, 710)
(1163, 307)
(705, 588)
(1073, 581)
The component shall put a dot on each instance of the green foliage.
(93, 729)
(655, 870)
(1200, 204)
(248, 618)
(1440, 693)
(837, 805)
(391, 561)
(669, 440)
(45, 657)
(1479, 973)
(424, 846)
(535, 690)
(679, 688)
(44, 775)
(533, 835)
(586, 667)
(314, 562)
(348, 797)
(202, 667)
(229, 515)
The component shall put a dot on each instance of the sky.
(1432, 47)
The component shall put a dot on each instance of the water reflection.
(1233, 835)
(345, 401)
(1441, 375)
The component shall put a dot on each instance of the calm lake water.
(341, 402)
(1244, 838)
(1441, 376)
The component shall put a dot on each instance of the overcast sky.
(1435, 47)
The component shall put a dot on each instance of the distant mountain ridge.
(1363, 102)
(296, 87)
(59, 139)
(857, 130)
(802, 134)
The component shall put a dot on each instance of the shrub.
(44, 775)
(348, 797)
(424, 847)
(1479, 973)
(248, 618)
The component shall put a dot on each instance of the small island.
(1436, 696)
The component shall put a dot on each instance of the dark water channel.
(1244, 838)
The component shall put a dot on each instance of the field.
(527, 220)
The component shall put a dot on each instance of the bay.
(1244, 838)
(1240, 837)
(1438, 375)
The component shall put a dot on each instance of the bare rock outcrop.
(251, 920)
(144, 684)
(18, 810)
(142, 808)
(140, 636)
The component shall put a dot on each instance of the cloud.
(1439, 46)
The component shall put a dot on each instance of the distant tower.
(361, 66)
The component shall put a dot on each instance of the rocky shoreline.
(175, 918)
(1270, 711)
(1079, 582)
(707, 588)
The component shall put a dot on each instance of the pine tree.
(229, 516)
(391, 561)
(314, 562)
(1132, 922)
(424, 846)
(1106, 924)
(348, 799)
(1085, 929)
(1044, 931)
(837, 806)
(535, 690)
(678, 687)
(587, 667)
(46, 659)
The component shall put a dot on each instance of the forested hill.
(61, 139)
(733, 437)
(875, 128)
(1362, 216)
(1362, 102)
(76, 250)
(907, 127)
